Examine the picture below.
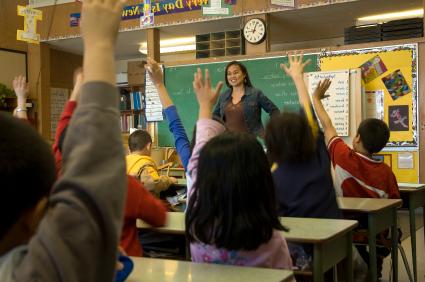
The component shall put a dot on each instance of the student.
(142, 166)
(357, 174)
(304, 186)
(174, 123)
(71, 234)
(240, 106)
(140, 204)
(20, 86)
(231, 217)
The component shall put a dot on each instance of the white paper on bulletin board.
(338, 103)
(58, 99)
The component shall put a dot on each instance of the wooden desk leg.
(372, 248)
(412, 217)
(348, 261)
(394, 249)
(318, 272)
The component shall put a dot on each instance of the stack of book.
(362, 34)
(401, 29)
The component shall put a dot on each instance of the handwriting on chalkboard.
(338, 103)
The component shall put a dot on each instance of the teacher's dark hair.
(246, 82)
(234, 195)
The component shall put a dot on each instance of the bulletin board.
(390, 71)
(393, 71)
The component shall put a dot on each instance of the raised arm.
(296, 70)
(174, 122)
(20, 86)
(84, 220)
(319, 94)
(206, 127)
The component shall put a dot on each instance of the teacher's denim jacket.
(252, 102)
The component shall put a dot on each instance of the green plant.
(5, 92)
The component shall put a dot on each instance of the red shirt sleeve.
(63, 122)
(339, 152)
(142, 204)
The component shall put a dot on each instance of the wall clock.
(254, 31)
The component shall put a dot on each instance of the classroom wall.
(10, 23)
(62, 66)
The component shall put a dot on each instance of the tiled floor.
(420, 248)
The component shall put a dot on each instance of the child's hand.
(100, 22)
(173, 180)
(20, 86)
(154, 71)
(321, 89)
(296, 65)
(206, 96)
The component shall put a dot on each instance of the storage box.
(136, 72)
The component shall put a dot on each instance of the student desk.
(381, 215)
(331, 238)
(413, 196)
(148, 269)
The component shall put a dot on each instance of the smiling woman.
(240, 106)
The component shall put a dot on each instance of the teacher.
(240, 105)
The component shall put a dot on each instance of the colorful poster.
(396, 84)
(372, 69)
(398, 118)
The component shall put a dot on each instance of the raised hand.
(321, 89)
(100, 22)
(78, 81)
(154, 71)
(296, 65)
(20, 86)
(206, 96)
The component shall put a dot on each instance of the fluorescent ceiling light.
(392, 16)
(179, 44)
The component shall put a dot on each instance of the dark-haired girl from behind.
(232, 216)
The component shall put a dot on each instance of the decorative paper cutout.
(31, 16)
(398, 118)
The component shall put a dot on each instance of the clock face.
(254, 31)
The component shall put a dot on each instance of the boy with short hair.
(357, 174)
(73, 233)
(142, 166)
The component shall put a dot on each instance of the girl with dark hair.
(304, 185)
(240, 105)
(232, 216)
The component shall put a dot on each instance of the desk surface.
(181, 181)
(301, 230)
(147, 269)
(411, 185)
(367, 205)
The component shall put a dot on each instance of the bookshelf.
(219, 44)
(132, 107)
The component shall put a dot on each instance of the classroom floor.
(420, 249)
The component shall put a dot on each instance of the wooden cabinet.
(219, 44)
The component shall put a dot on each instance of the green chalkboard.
(265, 74)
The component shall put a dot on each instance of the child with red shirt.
(357, 174)
(140, 203)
